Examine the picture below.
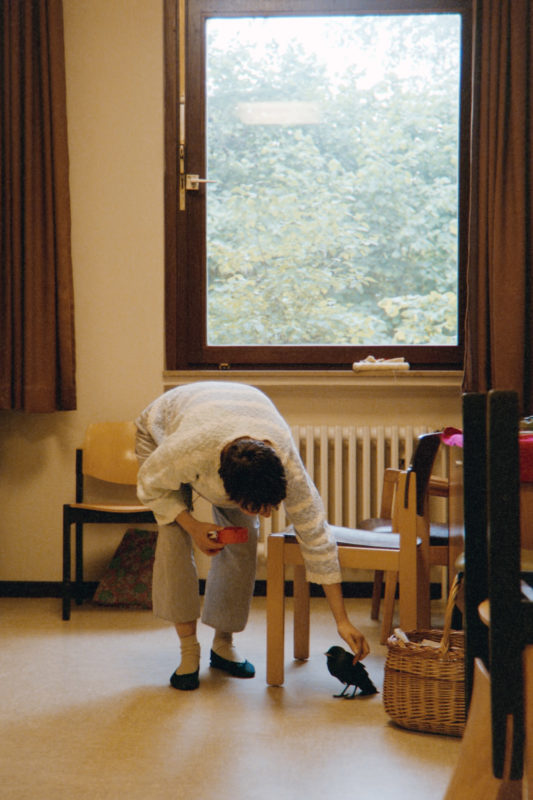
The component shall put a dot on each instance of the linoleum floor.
(87, 713)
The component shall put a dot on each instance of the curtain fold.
(37, 355)
(499, 314)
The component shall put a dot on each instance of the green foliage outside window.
(341, 231)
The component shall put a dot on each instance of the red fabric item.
(232, 535)
(526, 457)
(453, 437)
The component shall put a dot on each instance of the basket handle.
(452, 597)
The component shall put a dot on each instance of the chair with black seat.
(107, 455)
(434, 535)
(397, 552)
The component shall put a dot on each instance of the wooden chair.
(498, 609)
(434, 535)
(108, 454)
(397, 552)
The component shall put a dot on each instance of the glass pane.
(333, 142)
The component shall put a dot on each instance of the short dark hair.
(252, 474)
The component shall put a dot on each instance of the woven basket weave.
(424, 686)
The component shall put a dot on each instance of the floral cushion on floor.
(128, 578)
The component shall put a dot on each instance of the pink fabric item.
(453, 437)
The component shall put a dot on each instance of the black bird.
(341, 665)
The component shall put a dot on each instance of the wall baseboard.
(54, 589)
(30, 589)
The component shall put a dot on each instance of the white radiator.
(346, 465)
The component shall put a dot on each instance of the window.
(316, 182)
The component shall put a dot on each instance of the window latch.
(192, 182)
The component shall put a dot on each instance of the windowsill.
(405, 381)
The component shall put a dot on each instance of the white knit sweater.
(190, 426)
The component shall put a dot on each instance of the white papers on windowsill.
(371, 364)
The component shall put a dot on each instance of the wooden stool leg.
(473, 778)
(391, 582)
(301, 613)
(423, 602)
(376, 594)
(275, 610)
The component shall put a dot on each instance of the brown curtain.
(37, 357)
(499, 318)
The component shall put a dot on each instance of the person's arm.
(305, 510)
(161, 477)
(198, 531)
(351, 635)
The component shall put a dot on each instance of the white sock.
(223, 647)
(190, 655)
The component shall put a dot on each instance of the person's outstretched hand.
(351, 635)
(354, 639)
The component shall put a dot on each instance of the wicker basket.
(424, 686)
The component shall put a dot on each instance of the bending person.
(227, 443)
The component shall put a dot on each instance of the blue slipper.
(238, 669)
(186, 682)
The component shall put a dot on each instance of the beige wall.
(114, 60)
(114, 57)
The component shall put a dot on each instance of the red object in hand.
(230, 535)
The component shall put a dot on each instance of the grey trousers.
(230, 581)
(231, 577)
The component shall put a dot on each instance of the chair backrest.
(422, 463)
(109, 452)
(390, 483)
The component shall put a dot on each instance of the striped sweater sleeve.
(305, 511)
(161, 480)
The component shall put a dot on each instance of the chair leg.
(409, 566)
(423, 602)
(391, 582)
(79, 564)
(376, 594)
(275, 611)
(66, 587)
(301, 614)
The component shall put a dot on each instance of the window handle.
(192, 182)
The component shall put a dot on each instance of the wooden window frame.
(185, 346)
